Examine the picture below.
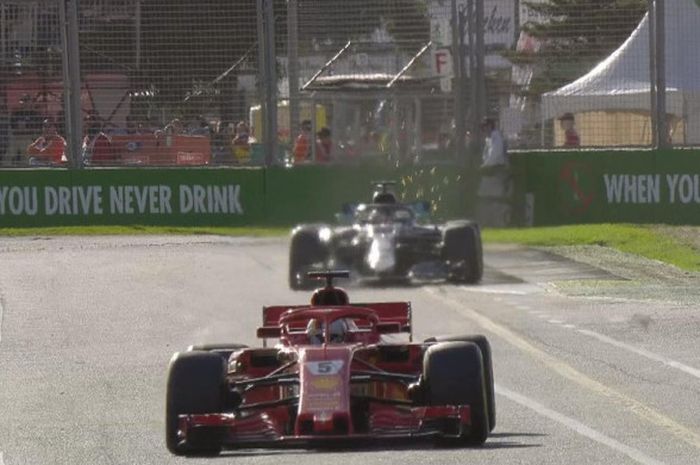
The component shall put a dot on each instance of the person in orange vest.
(50, 147)
(302, 145)
(240, 144)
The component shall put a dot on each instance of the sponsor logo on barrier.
(120, 200)
(576, 187)
(675, 188)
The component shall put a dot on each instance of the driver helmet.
(338, 330)
(314, 332)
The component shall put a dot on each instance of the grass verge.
(646, 241)
(143, 230)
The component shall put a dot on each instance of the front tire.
(224, 350)
(196, 383)
(453, 374)
(485, 348)
(462, 251)
(305, 250)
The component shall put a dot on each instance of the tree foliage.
(575, 35)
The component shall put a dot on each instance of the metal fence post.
(73, 118)
(458, 86)
(477, 76)
(480, 58)
(662, 123)
(65, 67)
(271, 88)
(137, 33)
(262, 73)
(653, 116)
(293, 66)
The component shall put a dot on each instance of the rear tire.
(462, 250)
(196, 382)
(485, 348)
(305, 250)
(453, 374)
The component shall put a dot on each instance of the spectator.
(198, 126)
(567, 123)
(240, 144)
(494, 155)
(25, 122)
(50, 147)
(495, 186)
(97, 147)
(174, 128)
(221, 143)
(324, 145)
(302, 145)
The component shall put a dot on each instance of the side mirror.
(269, 332)
(388, 328)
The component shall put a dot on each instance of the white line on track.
(2, 461)
(643, 352)
(2, 315)
(578, 427)
(632, 405)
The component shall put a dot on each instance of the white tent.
(621, 81)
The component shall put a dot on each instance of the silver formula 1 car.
(387, 240)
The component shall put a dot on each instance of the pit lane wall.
(634, 186)
(213, 196)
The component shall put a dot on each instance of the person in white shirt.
(495, 187)
(494, 147)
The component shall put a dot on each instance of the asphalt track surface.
(87, 326)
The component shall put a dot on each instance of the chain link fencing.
(224, 82)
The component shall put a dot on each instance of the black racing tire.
(453, 374)
(305, 250)
(462, 250)
(485, 348)
(196, 384)
(224, 349)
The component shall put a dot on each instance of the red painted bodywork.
(299, 393)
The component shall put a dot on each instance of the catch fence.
(262, 82)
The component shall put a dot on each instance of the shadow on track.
(397, 445)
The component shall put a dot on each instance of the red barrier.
(148, 149)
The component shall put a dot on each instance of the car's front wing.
(269, 428)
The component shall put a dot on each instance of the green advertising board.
(636, 186)
(214, 196)
(131, 196)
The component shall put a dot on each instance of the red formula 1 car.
(331, 378)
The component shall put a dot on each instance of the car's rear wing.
(389, 314)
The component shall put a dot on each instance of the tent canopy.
(621, 81)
